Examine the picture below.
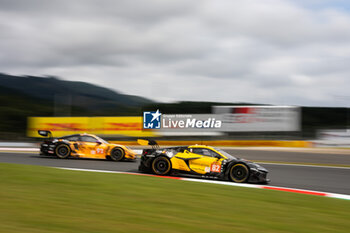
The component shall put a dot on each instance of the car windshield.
(71, 138)
(102, 140)
(225, 153)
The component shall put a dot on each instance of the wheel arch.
(65, 144)
(162, 156)
(232, 163)
(111, 149)
(62, 143)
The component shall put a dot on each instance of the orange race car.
(83, 146)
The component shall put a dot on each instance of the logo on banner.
(152, 120)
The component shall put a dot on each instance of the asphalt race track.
(327, 179)
(292, 157)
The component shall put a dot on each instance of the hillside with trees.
(25, 96)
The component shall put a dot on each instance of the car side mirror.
(186, 151)
(218, 156)
(98, 143)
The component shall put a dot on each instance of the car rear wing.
(45, 133)
(148, 142)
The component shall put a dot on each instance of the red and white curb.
(291, 190)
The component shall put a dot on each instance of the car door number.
(215, 167)
(99, 150)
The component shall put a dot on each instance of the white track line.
(18, 149)
(301, 191)
(303, 165)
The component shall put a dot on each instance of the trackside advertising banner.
(258, 118)
(155, 123)
(182, 124)
(107, 126)
(225, 119)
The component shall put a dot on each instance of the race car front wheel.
(161, 166)
(239, 173)
(117, 154)
(62, 151)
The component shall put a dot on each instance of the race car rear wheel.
(117, 154)
(239, 173)
(161, 166)
(62, 151)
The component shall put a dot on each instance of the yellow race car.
(199, 161)
(83, 146)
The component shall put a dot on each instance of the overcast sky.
(284, 52)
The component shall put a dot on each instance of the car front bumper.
(258, 176)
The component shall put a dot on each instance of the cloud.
(275, 51)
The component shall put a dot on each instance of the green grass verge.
(40, 199)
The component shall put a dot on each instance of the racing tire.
(161, 166)
(62, 151)
(239, 173)
(117, 154)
